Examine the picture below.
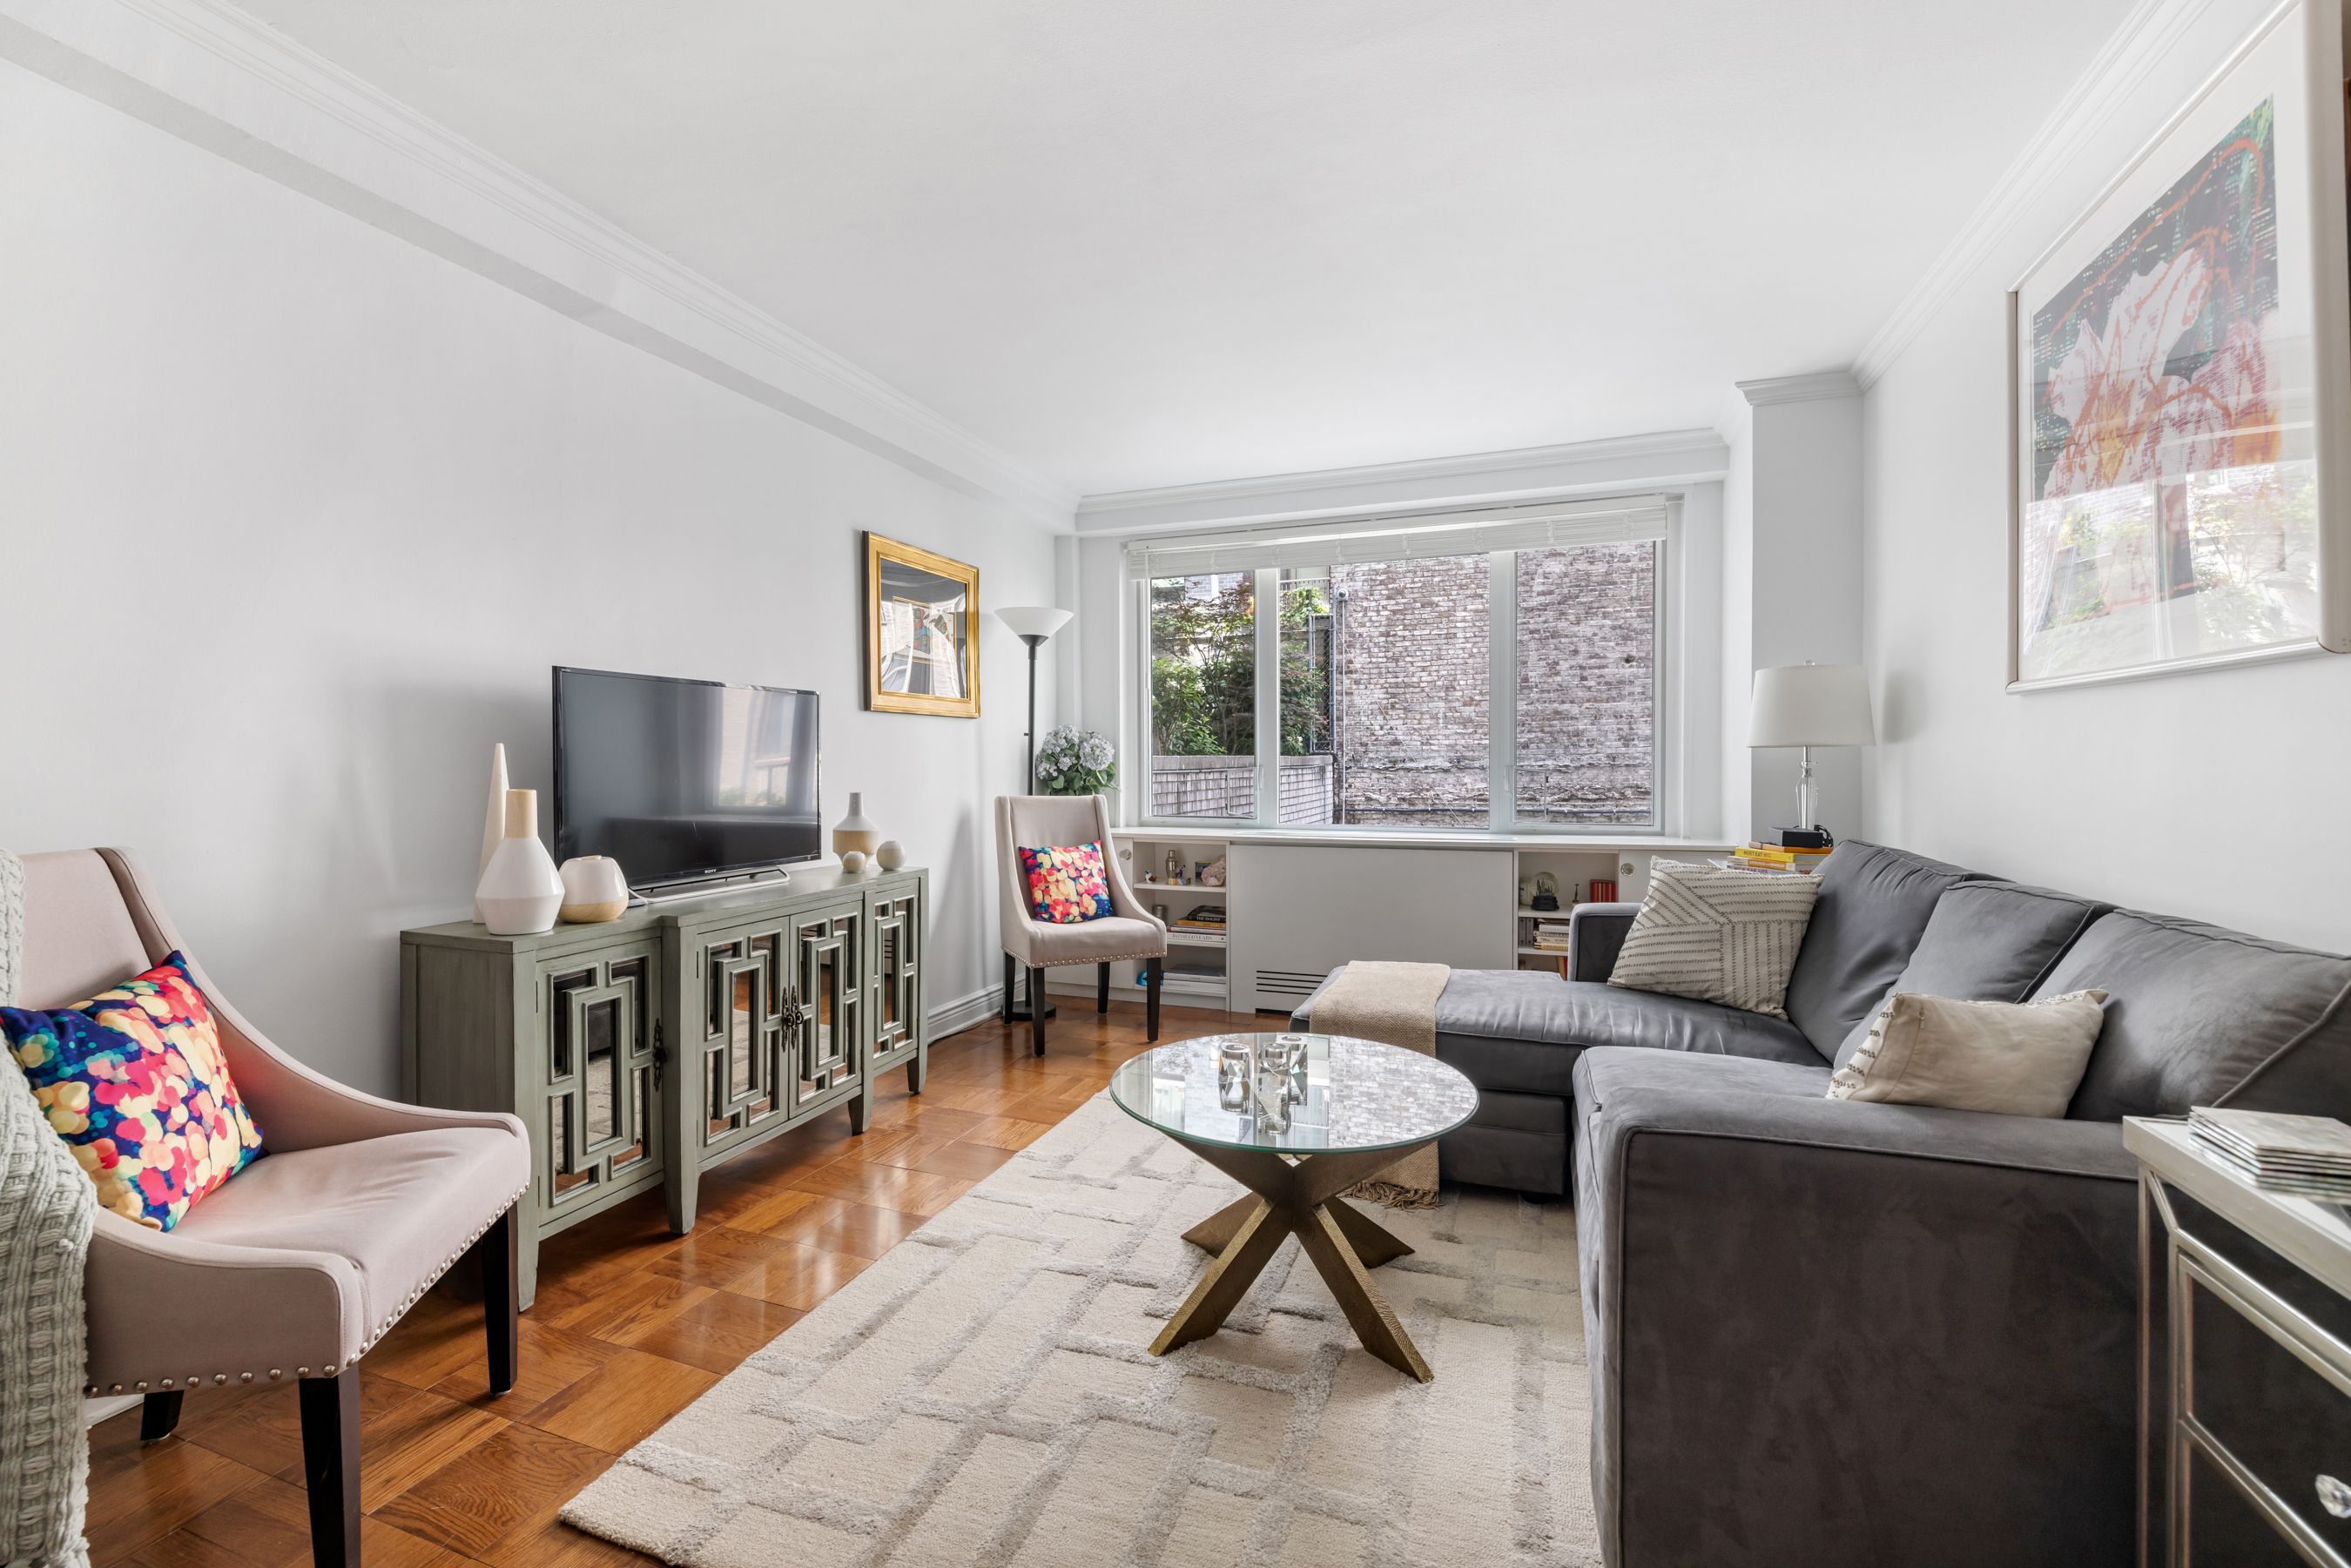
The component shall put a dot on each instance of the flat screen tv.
(683, 779)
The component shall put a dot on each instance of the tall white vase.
(853, 831)
(493, 819)
(520, 891)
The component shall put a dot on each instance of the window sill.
(1406, 837)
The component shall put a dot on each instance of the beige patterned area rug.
(982, 1396)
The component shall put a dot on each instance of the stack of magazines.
(2308, 1156)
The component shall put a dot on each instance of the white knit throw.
(47, 1210)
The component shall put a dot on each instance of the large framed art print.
(922, 631)
(2180, 386)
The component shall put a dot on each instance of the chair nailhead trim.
(244, 1378)
(167, 1383)
(275, 1375)
(118, 1388)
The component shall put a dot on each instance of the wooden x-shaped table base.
(1296, 1196)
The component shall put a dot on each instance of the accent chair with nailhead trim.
(301, 1262)
(1129, 931)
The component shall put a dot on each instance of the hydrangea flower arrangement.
(1071, 761)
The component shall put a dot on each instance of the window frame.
(1502, 691)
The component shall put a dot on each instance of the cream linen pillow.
(2024, 1059)
(1727, 937)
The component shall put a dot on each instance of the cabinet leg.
(685, 1179)
(526, 1256)
(916, 1065)
(861, 1108)
(1101, 988)
(1037, 1011)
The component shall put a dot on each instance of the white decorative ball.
(852, 862)
(891, 855)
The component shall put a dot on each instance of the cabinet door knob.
(2335, 1497)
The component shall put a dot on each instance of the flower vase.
(853, 832)
(521, 890)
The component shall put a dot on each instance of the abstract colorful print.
(134, 1080)
(1066, 885)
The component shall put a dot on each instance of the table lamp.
(1809, 704)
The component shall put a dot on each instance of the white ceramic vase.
(519, 892)
(852, 862)
(853, 831)
(891, 855)
(594, 891)
(494, 816)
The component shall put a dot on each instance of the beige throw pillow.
(2024, 1059)
(1727, 937)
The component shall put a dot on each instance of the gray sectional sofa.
(1826, 1333)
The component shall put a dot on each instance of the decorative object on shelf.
(1604, 889)
(1174, 868)
(1213, 874)
(521, 890)
(1540, 890)
(1032, 623)
(594, 891)
(922, 643)
(1808, 704)
(494, 816)
(1072, 761)
(853, 862)
(1159, 912)
(890, 854)
(855, 831)
(1200, 874)
(2179, 388)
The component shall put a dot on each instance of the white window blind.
(1620, 520)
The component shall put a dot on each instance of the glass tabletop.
(1341, 1094)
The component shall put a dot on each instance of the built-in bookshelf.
(1199, 969)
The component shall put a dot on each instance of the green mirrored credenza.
(646, 1051)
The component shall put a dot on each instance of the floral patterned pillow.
(1066, 885)
(134, 1080)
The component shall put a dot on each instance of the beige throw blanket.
(1395, 1004)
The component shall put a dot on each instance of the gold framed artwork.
(922, 631)
(2180, 389)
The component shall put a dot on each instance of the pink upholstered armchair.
(1131, 931)
(298, 1265)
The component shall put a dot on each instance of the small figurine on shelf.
(1175, 867)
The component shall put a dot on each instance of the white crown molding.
(215, 77)
(1810, 388)
(2128, 58)
(1582, 468)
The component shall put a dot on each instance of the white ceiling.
(1150, 243)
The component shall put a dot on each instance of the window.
(1498, 671)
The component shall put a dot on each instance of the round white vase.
(853, 831)
(594, 891)
(519, 892)
(852, 862)
(891, 855)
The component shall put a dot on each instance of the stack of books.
(1772, 861)
(2307, 1157)
(1551, 936)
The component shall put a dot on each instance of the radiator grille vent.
(1299, 983)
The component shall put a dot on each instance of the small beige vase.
(594, 891)
(519, 891)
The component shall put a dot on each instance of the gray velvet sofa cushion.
(1874, 902)
(1986, 942)
(2196, 1015)
(1847, 1335)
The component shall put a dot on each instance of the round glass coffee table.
(1296, 1139)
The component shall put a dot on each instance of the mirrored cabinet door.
(600, 1072)
(828, 944)
(895, 933)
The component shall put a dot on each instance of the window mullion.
(1501, 689)
(1269, 695)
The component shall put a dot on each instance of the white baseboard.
(952, 1018)
(93, 1411)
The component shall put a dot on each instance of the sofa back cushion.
(1986, 942)
(2199, 1015)
(1873, 904)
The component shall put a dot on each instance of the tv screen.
(677, 779)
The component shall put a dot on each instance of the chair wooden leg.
(330, 1465)
(158, 1415)
(501, 1257)
(1007, 987)
(1151, 1001)
(1101, 988)
(1037, 1010)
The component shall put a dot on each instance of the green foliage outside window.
(1204, 668)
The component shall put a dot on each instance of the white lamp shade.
(1811, 704)
(1034, 621)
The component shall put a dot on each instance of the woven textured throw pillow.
(2022, 1059)
(1728, 936)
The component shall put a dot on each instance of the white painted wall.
(2218, 795)
(297, 517)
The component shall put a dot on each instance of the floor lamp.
(1032, 624)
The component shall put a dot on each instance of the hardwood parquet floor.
(631, 1323)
